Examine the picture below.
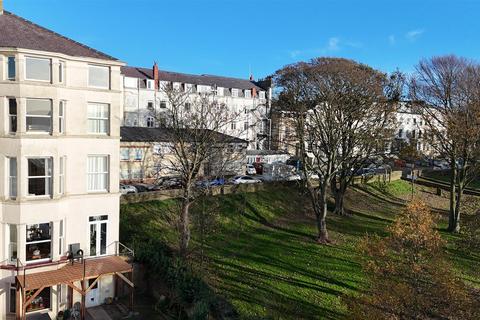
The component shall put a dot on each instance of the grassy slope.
(261, 253)
(444, 176)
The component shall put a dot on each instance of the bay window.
(38, 69)
(39, 115)
(12, 242)
(97, 173)
(38, 241)
(61, 117)
(61, 71)
(40, 177)
(61, 175)
(12, 178)
(11, 68)
(12, 115)
(99, 77)
(98, 118)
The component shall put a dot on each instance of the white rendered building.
(60, 118)
(145, 101)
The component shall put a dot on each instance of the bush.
(409, 275)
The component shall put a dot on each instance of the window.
(38, 69)
(138, 154)
(413, 134)
(150, 122)
(248, 94)
(61, 116)
(97, 173)
(40, 177)
(261, 95)
(400, 133)
(124, 154)
(419, 134)
(98, 118)
(99, 77)
(61, 175)
(414, 120)
(176, 86)
(61, 240)
(220, 91)
(39, 115)
(245, 125)
(234, 92)
(38, 241)
(11, 68)
(233, 125)
(187, 106)
(163, 104)
(41, 302)
(98, 235)
(61, 71)
(188, 87)
(12, 178)
(150, 84)
(150, 106)
(12, 115)
(12, 242)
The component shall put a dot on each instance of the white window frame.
(220, 91)
(38, 58)
(150, 84)
(109, 76)
(150, 122)
(61, 237)
(138, 154)
(261, 95)
(11, 244)
(233, 125)
(98, 119)
(124, 154)
(12, 180)
(39, 116)
(248, 94)
(40, 241)
(61, 71)
(8, 59)
(48, 178)
(98, 221)
(61, 116)
(106, 173)
(62, 162)
(234, 93)
(12, 118)
(163, 102)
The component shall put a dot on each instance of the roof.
(17, 32)
(142, 134)
(266, 152)
(208, 80)
(72, 273)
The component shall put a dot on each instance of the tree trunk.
(321, 214)
(340, 197)
(453, 196)
(459, 195)
(184, 226)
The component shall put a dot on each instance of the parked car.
(127, 189)
(170, 183)
(141, 187)
(365, 172)
(211, 183)
(244, 180)
(250, 169)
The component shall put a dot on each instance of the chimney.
(155, 75)
(251, 75)
(1, 6)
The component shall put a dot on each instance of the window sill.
(98, 192)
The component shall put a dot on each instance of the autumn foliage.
(409, 275)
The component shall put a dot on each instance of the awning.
(89, 269)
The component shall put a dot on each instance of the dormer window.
(261, 95)
(220, 91)
(188, 87)
(235, 93)
(150, 84)
(176, 86)
(248, 94)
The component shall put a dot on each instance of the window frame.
(8, 61)
(61, 72)
(61, 116)
(10, 178)
(108, 87)
(38, 59)
(12, 118)
(106, 172)
(27, 115)
(62, 162)
(48, 178)
(235, 93)
(38, 242)
(98, 119)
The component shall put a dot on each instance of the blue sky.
(227, 37)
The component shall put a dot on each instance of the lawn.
(259, 249)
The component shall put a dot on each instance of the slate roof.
(142, 134)
(20, 33)
(208, 80)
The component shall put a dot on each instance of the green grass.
(260, 250)
(395, 188)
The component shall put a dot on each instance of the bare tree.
(340, 114)
(447, 90)
(198, 147)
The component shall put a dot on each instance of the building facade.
(145, 100)
(60, 117)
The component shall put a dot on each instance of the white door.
(93, 296)
(98, 236)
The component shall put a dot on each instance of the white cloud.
(414, 34)
(391, 39)
(333, 44)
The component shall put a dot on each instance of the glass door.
(98, 235)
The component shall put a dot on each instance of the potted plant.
(60, 315)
